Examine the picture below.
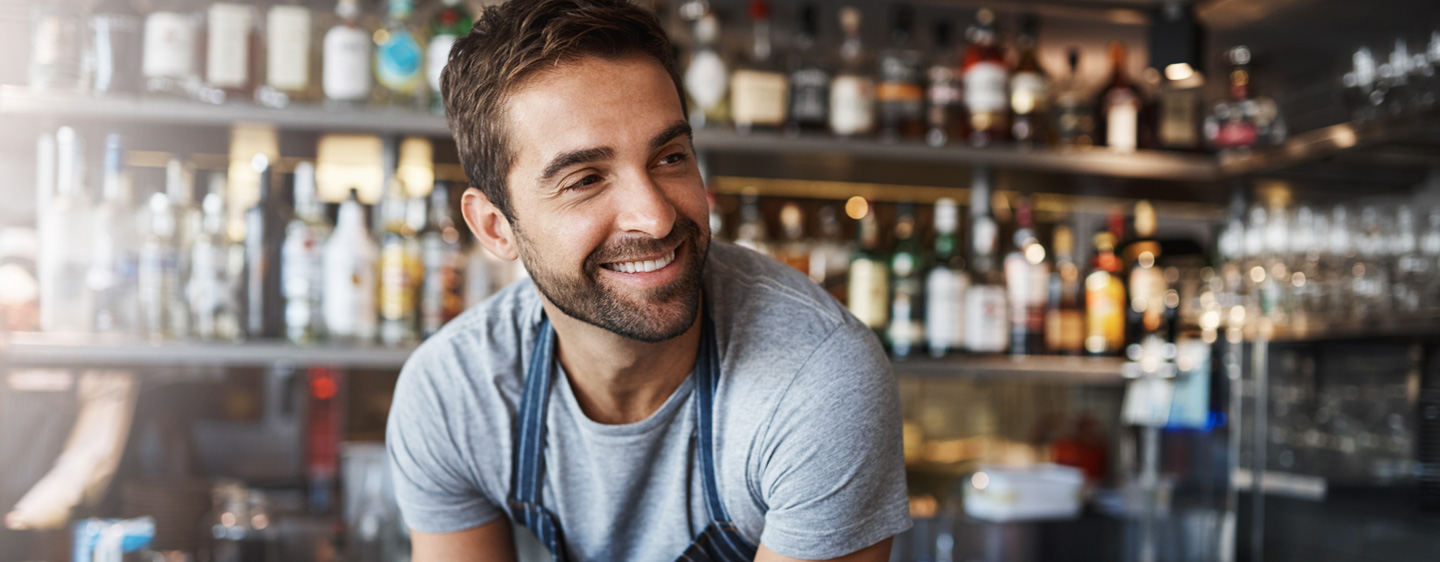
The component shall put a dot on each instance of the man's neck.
(618, 380)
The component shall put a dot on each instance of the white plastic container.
(1045, 491)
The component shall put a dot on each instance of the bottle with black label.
(809, 81)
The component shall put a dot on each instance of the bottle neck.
(760, 50)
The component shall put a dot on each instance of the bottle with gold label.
(869, 286)
(758, 90)
(1104, 300)
(1064, 319)
(398, 282)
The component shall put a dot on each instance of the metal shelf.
(1098, 371)
(1364, 147)
(52, 350)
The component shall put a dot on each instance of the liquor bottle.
(809, 110)
(400, 59)
(1146, 314)
(171, 61)
(1029, 90)
(115, 247)
(302, 268)
(1118, 125)
(1104, 300)
(987, 327)
(792, 250)
(1064, 318)
(946, 284)
(442, 294)
(830, 255)
(232, 51)
(114, 48)
(750, 233)
(1074, 118)
(289, 56)
(345, 60)
(452, 21)
(159, 273)
(707, 79)
(55, 61)
(852, 91)
(397, 265)
(906, 332)
(1027, 276)
(211, 285)
(1244, 120)
(986, 77)
(758, 88)
(66, 304)
(900, 93)
(188, 222)
(944, 94)
(868, 289)
(264, 239)
(350, 262)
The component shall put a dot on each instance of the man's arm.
(486, 543)
(878, 552)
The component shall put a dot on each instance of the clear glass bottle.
(793, 250)
(189, 221)
(211, 285)
(233, 52)
(1074, 118)
(1029, 90)
(351, 259)
(1027, 275)
(945, 116)
(946, 284)
(986, 78)
(452, 21)
(868, 289)
(398, 282)
(1410, 266)
(707, 78)
(290, 55)
(987, 321)
(115, 248)
(906, 331)
(809, 110)
(758, 89)
(442, 293)
(900, 93)
(345, 76)
(302, 267)
(750, 232)
(400, 59)
(55, 40)
(1118, 125)
(173, 49)
(66, 302)
(1430, 252)
(159, 277)
(852, 91)
(114, 48)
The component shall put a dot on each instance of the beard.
(657, 315)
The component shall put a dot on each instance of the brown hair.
(514, 41)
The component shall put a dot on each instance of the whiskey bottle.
(900, 93)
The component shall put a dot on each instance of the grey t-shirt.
(807, 429)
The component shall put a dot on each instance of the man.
(652, 394)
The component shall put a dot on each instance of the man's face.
(610, 211)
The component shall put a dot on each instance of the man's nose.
(645, 208)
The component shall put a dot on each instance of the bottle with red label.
(986, 77)
(1243, 120)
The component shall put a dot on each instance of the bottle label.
(945, 308)
(1104, 313)
(398, 62)
(227, 51)
(1178, 112)
(983, 235)
(169, 46)
(757, 97)
(1122, 121)
(397, 287)
(985, 87)
(287, 36)
(809, 95)
(345, 71)
(868, 292)
(986, 327)
(905, 330)
(1027, 92)
(436, 56)
(706, 80)
(852, 105)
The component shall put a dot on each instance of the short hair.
(517, 40)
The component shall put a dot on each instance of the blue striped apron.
(721, 540)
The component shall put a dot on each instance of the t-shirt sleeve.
(432, 485)
(833, 474)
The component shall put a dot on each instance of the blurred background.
(1160, 278)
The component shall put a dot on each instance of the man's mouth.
(641, 266)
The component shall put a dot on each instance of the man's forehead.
(590, 101)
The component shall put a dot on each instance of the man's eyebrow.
(574, 157)
(679, 129)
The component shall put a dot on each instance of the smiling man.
(652, 394)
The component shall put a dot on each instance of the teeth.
(641, 266)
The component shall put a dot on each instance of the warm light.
(857, 207)
(345, 162)
(1034, 254)
(416, 166)
(1257, 274)
(1179, 71)
(980, 480)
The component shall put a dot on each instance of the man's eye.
(674, 158)
(584, 182)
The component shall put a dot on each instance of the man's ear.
(488, 224)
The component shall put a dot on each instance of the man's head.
(570, 124)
